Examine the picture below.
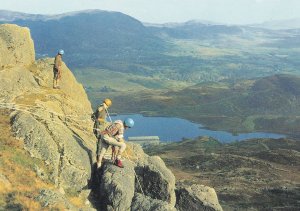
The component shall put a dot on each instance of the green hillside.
(267, 104)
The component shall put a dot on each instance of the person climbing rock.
(57, 69)
(99, 117)
(113, 135)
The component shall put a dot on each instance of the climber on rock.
(113, 135)
(99, 117)
(57, 69)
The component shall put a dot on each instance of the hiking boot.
(119, 163)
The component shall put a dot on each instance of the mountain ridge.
(191, 52)
(293, 23)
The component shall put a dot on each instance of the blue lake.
(175, 129)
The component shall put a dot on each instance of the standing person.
(99, 116)
(113, 135)
(57, 69)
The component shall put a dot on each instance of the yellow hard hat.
(107, 102)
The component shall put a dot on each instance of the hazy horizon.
(170, 11)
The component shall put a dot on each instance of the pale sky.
(162, 11)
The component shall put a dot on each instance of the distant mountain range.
(195, 30)
(111, 40)
(280, 24)
(191, 51)
(8, 16)
(89, 38)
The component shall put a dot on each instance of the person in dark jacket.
(57, 69)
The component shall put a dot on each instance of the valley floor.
(259, 174)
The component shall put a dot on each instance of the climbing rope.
(135, 174)
(24, 108)
(13, 107)
(128, 159)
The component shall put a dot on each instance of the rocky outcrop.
(197, 197)
(117, 186)
(55, 127)
(16, 46)
(144, 184)
(37, 141)
(156, 180)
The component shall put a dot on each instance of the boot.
(119, 163)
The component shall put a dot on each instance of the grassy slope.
(20, 169)
(254, 174)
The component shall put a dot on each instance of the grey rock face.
(37, 141)
(153, 185)
(197, 197)
(146, 203)
(53, 142)
(117, 186)
(17, 47)
(15, 81)
(55, 125)
(157, 180)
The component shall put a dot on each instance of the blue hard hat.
(61, 52)
(129, 122)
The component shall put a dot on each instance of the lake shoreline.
(185, 129)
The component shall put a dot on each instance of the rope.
(107, 114)
(128, 159)
(50, 111)
(14, 106)
(19, 108)
(135, 174)
(33, 114)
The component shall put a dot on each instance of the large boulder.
(141, 202)
(145, 183)
(117, 186)
(156, 180)
(197, 197)
(17, 47)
